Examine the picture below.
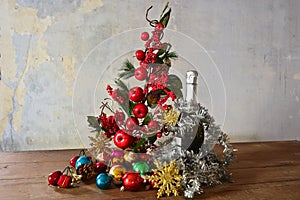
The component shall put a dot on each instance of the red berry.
(140, 110)
(132, 123)
(144, 64)
(159, 134)
(140, 73)
(140, 55)
(73, 161)
(122, 139)
(54, 177)
(159, 27)
(145, 36)
(136, 94)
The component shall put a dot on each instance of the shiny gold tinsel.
(167, 179)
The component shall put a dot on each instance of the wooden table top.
(264, 170)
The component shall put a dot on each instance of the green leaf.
(163, 49)
(165, 8)
(174, 84)
(93, 122)
(127, 66)
(165, 19)
(122, 85)
(147, 118)
(139, 144)
(176, 91)
(126, 74)
(131, 105)
(172, 55)
(127, 70)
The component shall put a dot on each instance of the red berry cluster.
(155, 40)
(108, 124)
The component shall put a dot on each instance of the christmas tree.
(136, 141)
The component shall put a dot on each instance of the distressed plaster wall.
(254, 44)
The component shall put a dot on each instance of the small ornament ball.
(140, 55)
(54, 177)
(144, 36)
(103, 181)
(132, 181)
(141, 167)
(117, 171)
(100, 167)
(82, 160)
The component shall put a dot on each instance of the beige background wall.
(57, 55)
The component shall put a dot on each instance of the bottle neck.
(191, 93)
(191, 89)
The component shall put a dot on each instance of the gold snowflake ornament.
(167, 179)
(100, 144)
(170, 117)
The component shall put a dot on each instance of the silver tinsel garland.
(204, 168)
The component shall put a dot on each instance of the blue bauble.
(103, 181)
(82, 160)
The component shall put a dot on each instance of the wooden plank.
(269, 170)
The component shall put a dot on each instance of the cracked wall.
(43, 44)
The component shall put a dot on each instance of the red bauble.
(136, 94)
(140, 55)
(153, 125)
(140, 110)
(145, 36)
(132, 181)
(132, 123)
(122, 139)
(73, 161)
(140, 73)
(100, 167)
(54, 177)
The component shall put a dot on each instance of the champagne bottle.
(194, 135)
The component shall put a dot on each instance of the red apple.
(153, 125)
(54, 177)
(140, 73)
(122, 139)
(100, 167)
(73, 161)
(132, 123)
(140, 110)
(140, 55)
(136, 94)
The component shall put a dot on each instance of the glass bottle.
(192, 135)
